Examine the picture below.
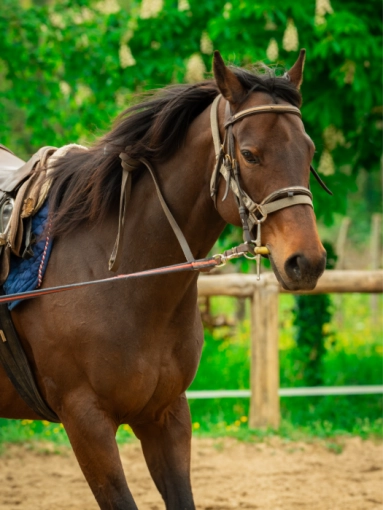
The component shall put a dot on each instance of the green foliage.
(312, 317)
(20, 431)
(67, 68)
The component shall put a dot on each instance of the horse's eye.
(250, 158)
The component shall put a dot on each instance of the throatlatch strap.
(17, 367)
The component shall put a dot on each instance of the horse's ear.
(295, 74)
(228, 84)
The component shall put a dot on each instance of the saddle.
(24, 187)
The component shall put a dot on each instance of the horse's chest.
(153, 369)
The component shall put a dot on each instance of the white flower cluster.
(195, 69)
(348, 68)
(57, 20)
(206, 44)
(82, 42)
(82, 16)
(227, 10)
(82, 94)
(64, 88)
(322, 7)
(151, 8)
(326, 163)
(126, 57)
(183, 5)
(108, 6)
(121, 97)
(290, 41)
(272, 51)
(333, 137)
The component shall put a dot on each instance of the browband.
(267, 108)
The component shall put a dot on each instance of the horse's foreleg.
(166, 446)
(92, 435)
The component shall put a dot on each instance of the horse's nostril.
(293, 266)
(299, 267)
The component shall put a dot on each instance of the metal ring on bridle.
(221, 260)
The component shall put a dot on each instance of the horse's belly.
(11, 404)
(133, 367)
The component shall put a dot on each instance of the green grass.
(354, 356)
(22, 431)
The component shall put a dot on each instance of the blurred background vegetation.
(67, 68)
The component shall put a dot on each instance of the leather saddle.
(24, 188)
(13, 170)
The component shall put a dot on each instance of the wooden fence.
(264, 294)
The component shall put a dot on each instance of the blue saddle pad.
(27, 274)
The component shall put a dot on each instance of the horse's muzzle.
(300, 271)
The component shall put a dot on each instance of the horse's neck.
(184, 182)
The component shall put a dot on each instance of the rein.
(196, 265)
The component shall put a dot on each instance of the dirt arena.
(227, 474)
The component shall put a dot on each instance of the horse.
(125, 352)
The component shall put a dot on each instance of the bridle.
(251, 213)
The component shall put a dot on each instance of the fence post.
(340, 248)
(375, 249)
(264, 375)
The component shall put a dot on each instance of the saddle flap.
(11, 169)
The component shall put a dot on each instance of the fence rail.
(264, 390)
(332, 281)
(292, 392)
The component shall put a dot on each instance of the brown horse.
(125, 352)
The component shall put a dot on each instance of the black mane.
(86, 182)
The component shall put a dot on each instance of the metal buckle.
(261, 211)
(221, 258)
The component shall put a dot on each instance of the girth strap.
(17, 367)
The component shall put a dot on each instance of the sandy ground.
(226, 474)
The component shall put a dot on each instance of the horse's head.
(271, 151)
